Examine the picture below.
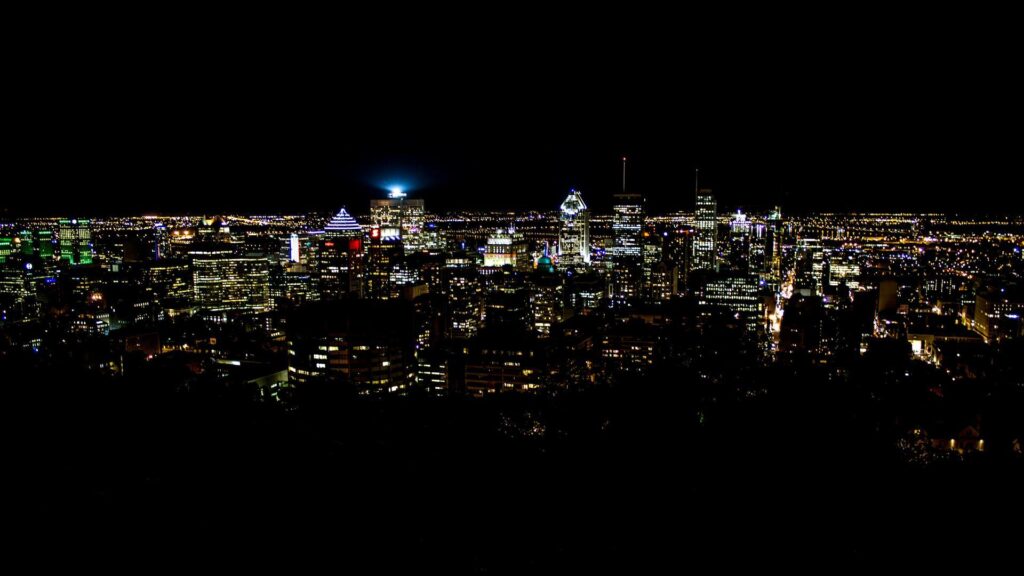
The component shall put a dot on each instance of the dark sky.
(257, 112)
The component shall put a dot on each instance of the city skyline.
(606, 291)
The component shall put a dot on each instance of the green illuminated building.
(75, 241)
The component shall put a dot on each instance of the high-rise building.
(705, 245)
(37, 243)
(383, 256)
(546, 305)
(679, 251)
(339, 257)
(740, 295)
(810, 266)
(7, 248)
(463, 302)
(75, 241)
(627, 249)
(574, 236)
(505, 248)
(773, 246)
(627, 224)
(399, 215)
(223, 281)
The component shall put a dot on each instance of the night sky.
(858, 112)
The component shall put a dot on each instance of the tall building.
(37, 243)
(679, 251)
(627, 249)
(383, 256)
(810, 266)
(506, 248)
(223, 281)
(773, 246)
(546, 299)
(399, 215)
(339, 257)
(463, 302)
(705, 249)
(574, 236)
(740, 295)
(7, 248)
(627, 224)
(75, 241)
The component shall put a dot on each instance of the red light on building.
(329, 244)
(355, 245)
(375, 233)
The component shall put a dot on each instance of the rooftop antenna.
(623, 174)
(696, 180)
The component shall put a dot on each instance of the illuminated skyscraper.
(37, 243)
(740, 295)
(706, 222)
(383, 254)
(773, 246)
(340, 257)
(75, 241)
(463, 301)
(627, 224)
(7, 248)
(574, 237)
(627, 251)
(223, 281)
(398, 215)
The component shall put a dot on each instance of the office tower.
(7, 248)
(810, 266)
(399, 215)
(463, 302)
(546, 302)
(225, 282)
(627, 221)
(737, 247)
(506, 248)
(843, 268)
(627, 250)
(705, 245)
(17, 295)
(574, 236)
(664, 282)
(290, 250)
(679, 251)
(585, 293)
(161, 242)
(364, 345)
(740, 295)
(757, 257)
(167, 278)
(339, 257)
(383, 256)
(773, 246)
(36, 243)
(75, 241)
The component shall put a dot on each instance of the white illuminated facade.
(574, 237)
(706, 222)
